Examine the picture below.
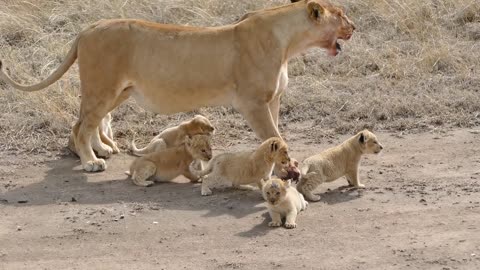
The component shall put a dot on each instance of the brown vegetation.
(412, 65)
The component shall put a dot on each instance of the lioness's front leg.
(260, 119)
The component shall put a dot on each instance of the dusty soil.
(420, 210)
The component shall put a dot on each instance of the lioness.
(335, 162)
(175, 136)
(173, 68)
(283, 200)
(165, 165)
(243, 168)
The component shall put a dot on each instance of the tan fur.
(172, 68)
(283, 201)
(335, 162)
(165, 165)
(102, 142)
(243, 168)
(175, 136)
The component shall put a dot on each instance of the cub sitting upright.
(166, 164)
(335, 162)
(174, 136)
(283, 200)
(242, 168)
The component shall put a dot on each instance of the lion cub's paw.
(312, 197)
(290, 225)
(360, 186)
(274, 224)
(206, 192)
(144, 183)
(97, 165)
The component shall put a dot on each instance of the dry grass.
(412, 65)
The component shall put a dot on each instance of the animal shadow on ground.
(65, 182)
(260, 229)
(340, 194)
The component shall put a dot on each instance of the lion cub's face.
(275, 190)
(279, 151)
(200, 125)
(369, 142)
(199, 146)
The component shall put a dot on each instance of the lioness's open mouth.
(335, 49)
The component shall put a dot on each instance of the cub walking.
(335, 162)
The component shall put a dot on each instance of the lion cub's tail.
(201, 173)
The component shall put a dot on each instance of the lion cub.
(171, 162)
(174, 136)
(335, 162)
(242, 168)
(283, 200)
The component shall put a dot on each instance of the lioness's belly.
(173, 101)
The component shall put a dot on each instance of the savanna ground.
(410, 73)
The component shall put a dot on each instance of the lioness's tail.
(201, 173)
(69, 60)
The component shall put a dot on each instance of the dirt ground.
(420, 210)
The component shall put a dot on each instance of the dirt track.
(421, 210)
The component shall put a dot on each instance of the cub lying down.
(283, 201)
(335, 162)
(174, 136)
(166, 164)
(242, 168)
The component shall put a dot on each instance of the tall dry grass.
(412, 65)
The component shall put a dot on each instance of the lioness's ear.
(362, 138)
(315, 10)
(274, 146)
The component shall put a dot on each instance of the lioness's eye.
(278, 193)
(203, 151)
(268, 193)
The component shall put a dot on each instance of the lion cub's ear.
(274, 146)
(315, 10)
(362, 138)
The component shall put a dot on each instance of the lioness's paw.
(274, 224)
(360, 186)
(97, 165)
(290, 225)
(106, 152)
(115, 149)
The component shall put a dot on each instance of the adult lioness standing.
(172, 68)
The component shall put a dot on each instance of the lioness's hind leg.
(144, 171)
(102, 149)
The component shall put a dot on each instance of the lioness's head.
(275, 190)
(369, 143)
(199, 124)
(329, 25)
(199, 146)
(277, 151)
